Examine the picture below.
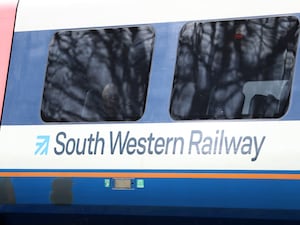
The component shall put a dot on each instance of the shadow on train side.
(7, 193)
(141, 220)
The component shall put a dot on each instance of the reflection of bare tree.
(96, 75)
(215, 59)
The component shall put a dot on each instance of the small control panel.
(124, 183)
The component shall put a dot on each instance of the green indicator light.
(140, 183)
(107, 183)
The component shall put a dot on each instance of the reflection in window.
(98, 75)
(234, 69)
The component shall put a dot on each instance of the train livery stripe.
(259, 176)
(7, 20)
(153, 146)
(103, 13)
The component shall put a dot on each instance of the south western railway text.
(197, 143)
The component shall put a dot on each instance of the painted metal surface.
(264, 180)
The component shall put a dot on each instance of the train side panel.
(189, 112)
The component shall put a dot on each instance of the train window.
(234, 69)
(97, 75)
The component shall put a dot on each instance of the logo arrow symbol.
(42, 145)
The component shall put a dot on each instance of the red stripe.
(7, 21)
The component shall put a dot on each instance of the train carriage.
(139, 108)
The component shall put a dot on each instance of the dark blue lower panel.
(206, 199)
(161, 201)
(198, 193)
(46, 214)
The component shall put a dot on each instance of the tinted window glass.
(98, 75)
(234, 69)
